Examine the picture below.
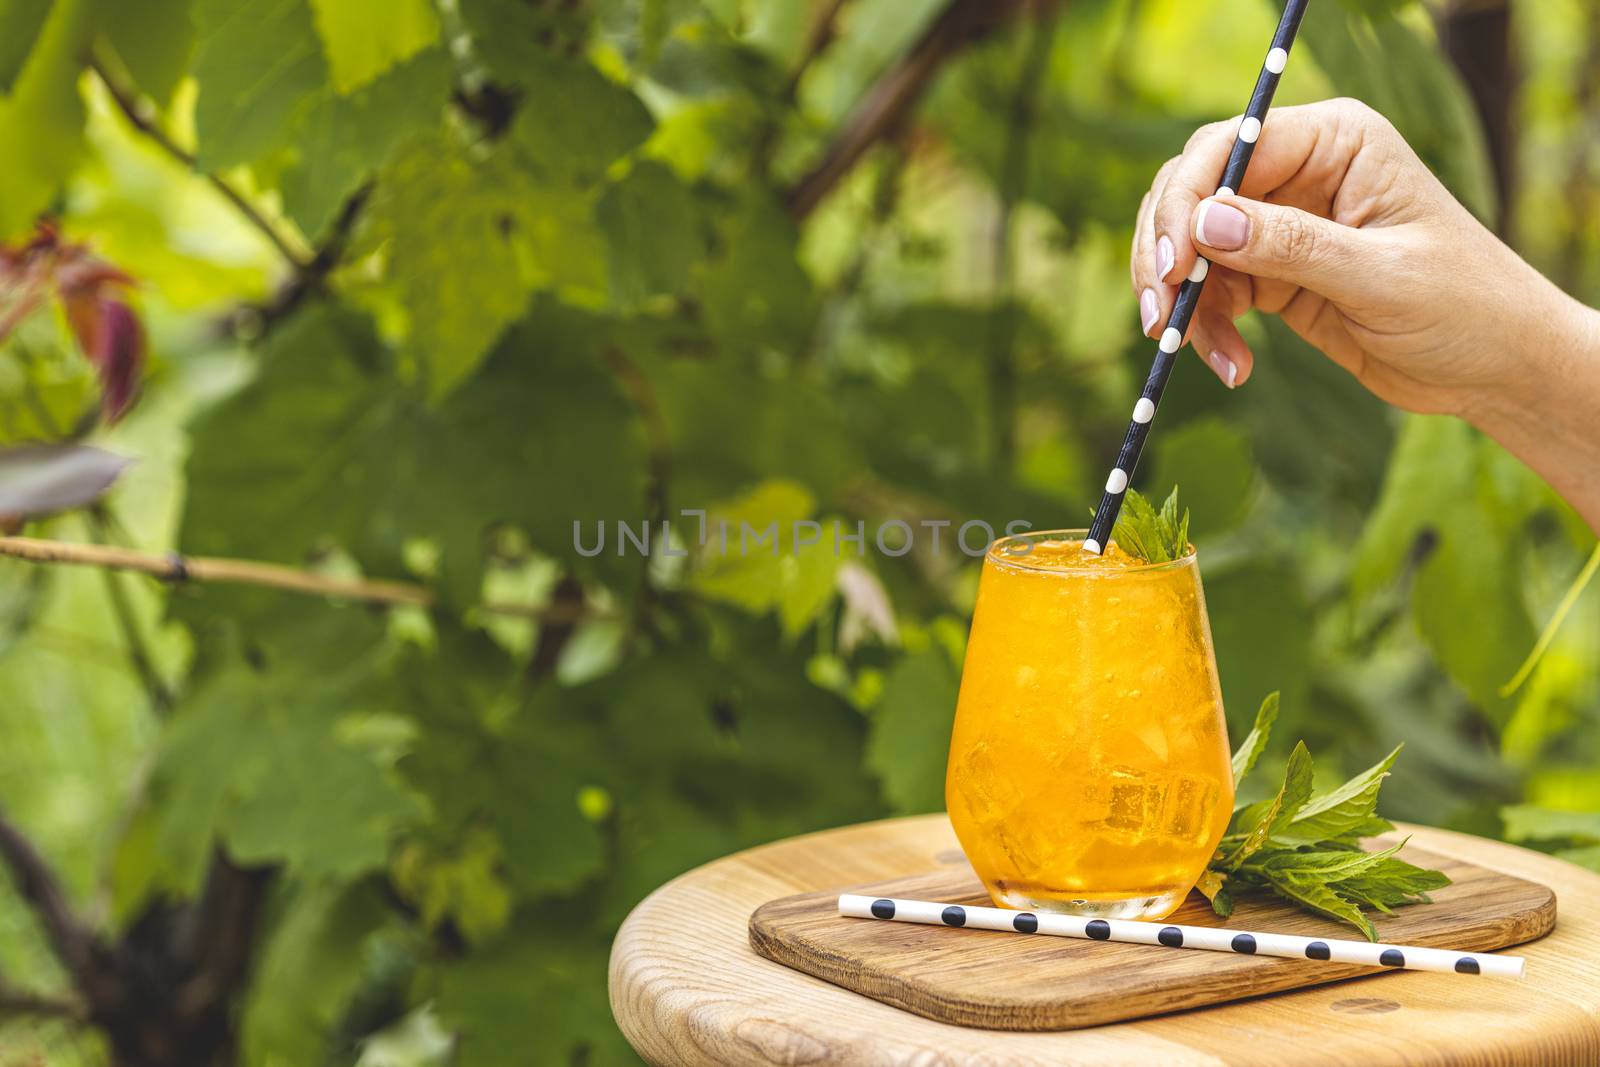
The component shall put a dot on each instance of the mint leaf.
(1342, 811)
(1260, 821)
(1255, 742)
(1151, 535)
(1323, 899)
(1308, 849)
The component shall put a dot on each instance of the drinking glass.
(1089, 767)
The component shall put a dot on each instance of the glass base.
(1144, 907)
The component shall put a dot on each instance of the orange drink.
(1089, 767)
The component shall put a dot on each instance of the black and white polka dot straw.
(1249, 943)
(1105, 516)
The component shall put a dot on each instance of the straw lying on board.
(1249, 942)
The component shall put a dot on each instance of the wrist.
(1546, 409)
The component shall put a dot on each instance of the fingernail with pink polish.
(1221, 226)
(1149, 309)
(1164, 258)
(1225, 368)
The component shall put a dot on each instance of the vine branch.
(19, 1002)
(124, 98)
(176, 568)
(73, 942)
(961, 24)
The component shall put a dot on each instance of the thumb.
(1286, 244)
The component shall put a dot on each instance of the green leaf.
(256, 62)
(341, 140)
(754, 557)
(514, 39)
(1151, 535)
(1378, 58)
(910, 742)
(543, 988)
(1445, 487)
(1393, 882)
(326, 446)
(22, 591)
(1261, 627)
(20, 24)
(1321, 866)
(1343, 810)
(1530, 822)
(41, 120)
(251, 758)
(1327, 901)
(653, 233)
(486, 757)
(757, 295)
(308, 970)
(155, 41)
(465, 241)
(364, 38)
(1255, 742)
(1213, 461)
(1261, 822)
(575, 121)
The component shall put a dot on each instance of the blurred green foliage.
(567, 288)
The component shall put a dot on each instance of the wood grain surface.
(686, 987)
(1008, 982)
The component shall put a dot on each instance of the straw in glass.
(1105, 516)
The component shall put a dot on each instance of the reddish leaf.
(107, 330)
(92, 296)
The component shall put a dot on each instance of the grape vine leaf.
(309, 967)
(364, 38)
(512, 39)
(341, 139)
(1212, 460)
(576, 121)
(155, 41)
(653, 232)
(495, 759)
(543, 986)
(325, 445)
(41, 119)
(465, 241)
(911, 723)
(251, 759)
(256, 62)
(1444, 487)
(20, 24)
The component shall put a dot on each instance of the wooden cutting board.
(1006, 981)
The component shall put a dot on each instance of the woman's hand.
(1344, 233)
(1341, 231)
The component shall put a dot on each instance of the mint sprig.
(1307, 848)
(1151, 535)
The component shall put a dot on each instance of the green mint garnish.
(1307, 848)
(1151, 535)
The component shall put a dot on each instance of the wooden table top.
(686, 988)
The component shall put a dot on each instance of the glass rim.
(1020, 560)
